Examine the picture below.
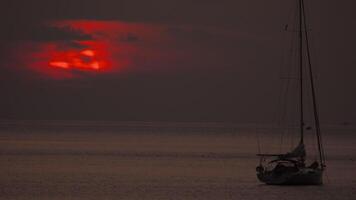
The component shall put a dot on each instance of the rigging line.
(320, 145)
(311, 133)
(294, 118)
(279, 114)
(309, 96)
(292, 69)
(284, 61)
(285, 88)
(301, 70)
(311, 128)
(258, 141)
(290, 100)
(290, 72)
(316, 113)
(285, 107)
(311, 35)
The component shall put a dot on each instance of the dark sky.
(202, 60)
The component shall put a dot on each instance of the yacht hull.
(303, 176)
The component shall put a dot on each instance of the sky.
(168, 60)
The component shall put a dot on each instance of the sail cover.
(299, 151)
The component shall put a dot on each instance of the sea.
(60, 160)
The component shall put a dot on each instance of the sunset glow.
(63, 65)
(88, 52)
(84, 60)
(87, 48)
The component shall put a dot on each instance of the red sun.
(86, 59)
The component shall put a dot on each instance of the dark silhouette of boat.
(291, 168)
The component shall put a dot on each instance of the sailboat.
(294, 167)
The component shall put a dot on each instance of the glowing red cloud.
(63, 65)
(81, 60)
(63, 60)
(114, 47)
(88, 52)
(66, 58)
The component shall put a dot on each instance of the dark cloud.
(129, 37)
(70, 44)
(41, 33)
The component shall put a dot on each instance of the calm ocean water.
(110, 160)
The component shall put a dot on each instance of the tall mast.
(301, 70)
(315, 108)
